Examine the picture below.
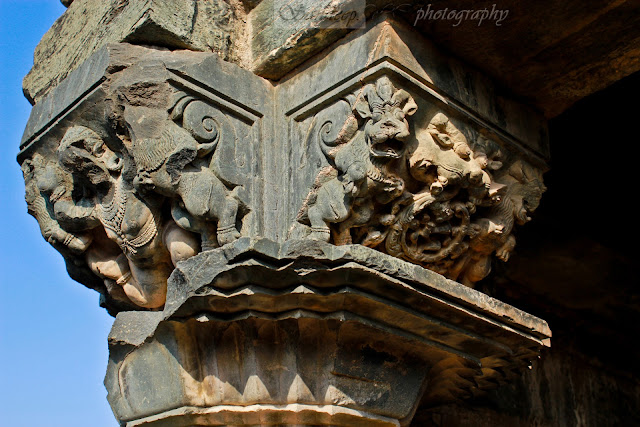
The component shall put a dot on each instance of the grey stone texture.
(88, 25)
(290, 252)
(532, 52)
(257, 324)
(566, 387)
(197, 152)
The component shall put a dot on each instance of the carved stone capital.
(144, 170)
(280, 253)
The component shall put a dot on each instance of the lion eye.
(399, 115)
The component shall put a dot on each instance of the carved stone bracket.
(367, 174)
(427, 196)
(145, 172)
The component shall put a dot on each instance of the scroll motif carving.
(178, 164)
(130, 208)
(432, 197)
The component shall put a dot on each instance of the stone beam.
(532, 52)
(549, 53)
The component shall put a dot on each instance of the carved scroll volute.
(207, 124)
(176, 162)
(217, 139)
(436, 199)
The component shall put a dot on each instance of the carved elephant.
(172, 163)
(45, 187)
(133, 245)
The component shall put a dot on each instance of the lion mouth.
(390, 148)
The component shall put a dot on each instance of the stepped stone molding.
(336, 330)
(285, 252)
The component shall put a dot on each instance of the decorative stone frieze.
(432, 200)
(280, 253)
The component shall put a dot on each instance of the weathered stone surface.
(388, 43)
(573, 48)
(334, 329)
(193, 275)
(264, 244)
(87, 25)
(389, 197)
(566, 387)
(117, 142)
(551, 54)
(286, 34)
(265, 414)
(172, 153)
(551, 76)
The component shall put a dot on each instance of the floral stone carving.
(432, 197)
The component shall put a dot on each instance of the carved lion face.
(525, 190)
(385, 108)
(387, 131)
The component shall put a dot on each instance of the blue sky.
(53, 334)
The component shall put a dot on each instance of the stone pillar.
(291, 252)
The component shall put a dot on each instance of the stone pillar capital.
(291, 252)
